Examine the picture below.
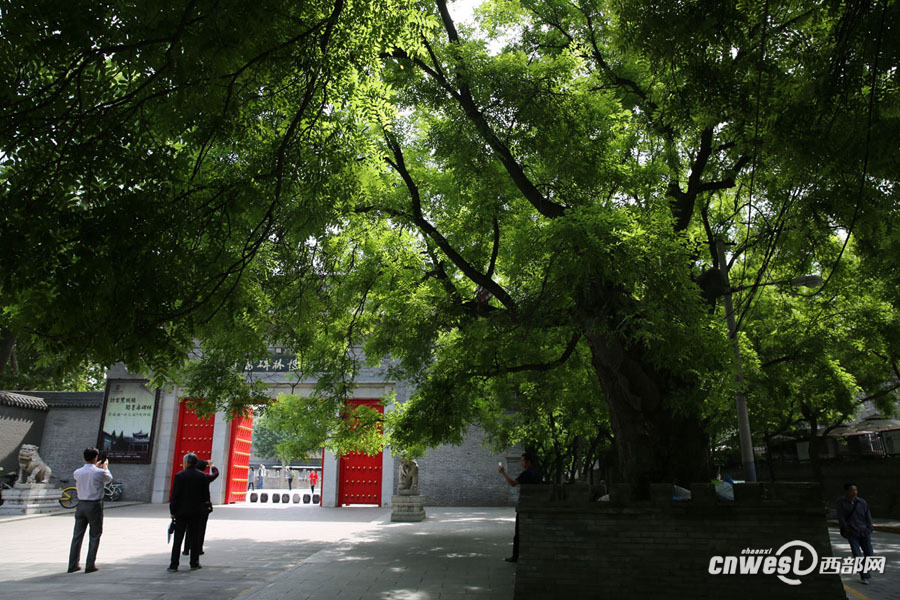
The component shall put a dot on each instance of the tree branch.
(570, 348)
(399, 165)
(463, 95)
(682, 202)
(495, 249)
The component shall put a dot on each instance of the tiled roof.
(22, 401)
(56, 399)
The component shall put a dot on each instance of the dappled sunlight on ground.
(271, 553)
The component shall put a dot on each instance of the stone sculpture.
(409, 478)
(32, 469)
(408, 505)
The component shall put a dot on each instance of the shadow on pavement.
(229, 569)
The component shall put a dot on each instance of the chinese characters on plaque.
(129, 410)
(283, 363)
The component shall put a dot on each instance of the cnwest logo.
(790, 562)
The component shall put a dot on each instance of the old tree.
(523, 215)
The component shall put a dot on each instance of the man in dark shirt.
(855, 519)
(188, 505)
(212, 476)
(529, 475)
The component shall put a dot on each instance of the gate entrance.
(239, 443)
(359, 475)
(193, 435)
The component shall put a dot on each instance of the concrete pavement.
(302, 552)
(883, 587)
(256, 552)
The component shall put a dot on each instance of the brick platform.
(574, 546)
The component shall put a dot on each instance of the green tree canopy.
(148, 152)
(523, 215)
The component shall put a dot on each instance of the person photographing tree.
(189, 507)
(529, 475)
(89, 482)
(212, 476)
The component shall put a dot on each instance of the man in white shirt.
(261, 476)
(89, 482)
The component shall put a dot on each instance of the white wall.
(164, 445)
(219, 455)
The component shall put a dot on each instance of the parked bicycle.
(69, 498)
(112, 491)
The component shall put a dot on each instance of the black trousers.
(202, 526)
(515, 553)
(87, 513)
(190, 526)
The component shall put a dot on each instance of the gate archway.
(360, 475)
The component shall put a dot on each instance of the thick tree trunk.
(655, 441)
(7, 343)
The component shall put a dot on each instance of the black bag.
(209, 506)
(171, 531)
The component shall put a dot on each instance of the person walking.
(529, 475)
(89, 482)
(260, 476)
(204, 519)
(855, 520)
(251, 478)
(290, 478)
(313, 480)
(188, 505)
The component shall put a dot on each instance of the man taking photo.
(89, 482)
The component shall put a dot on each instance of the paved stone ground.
(883, 587)
(453, 554)
(270, 552)
(266, 552)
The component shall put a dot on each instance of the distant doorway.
(239, 444)
(359, 475)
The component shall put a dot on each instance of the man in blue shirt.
(529, 475)
(855, 519)
(89, 482)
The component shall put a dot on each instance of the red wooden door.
(193, 435)
(239, 458)
(360, 475)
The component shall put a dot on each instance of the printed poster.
(129, 411)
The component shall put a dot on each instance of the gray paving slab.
(455, 553)
(885, 586)
(266, 552)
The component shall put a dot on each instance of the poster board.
(126, 428)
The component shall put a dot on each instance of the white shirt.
(89, 481)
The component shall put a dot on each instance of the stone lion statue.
(32, 469)
(409, 478)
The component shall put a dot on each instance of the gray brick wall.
(18, 426)
(876, 477)
(73, 423)
(466, 475)
(71, 426)
(575, 547)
